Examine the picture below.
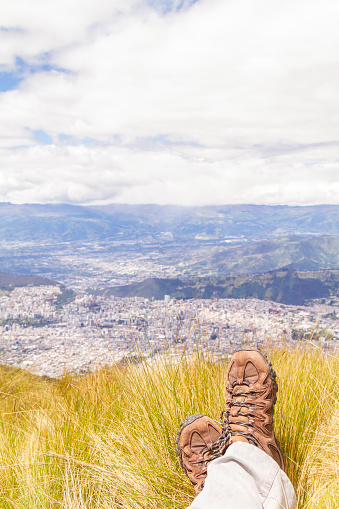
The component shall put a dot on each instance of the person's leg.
(245, 478)
(248, 472)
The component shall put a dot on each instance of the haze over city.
(184, 102)
(125, 108)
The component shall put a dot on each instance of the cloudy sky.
(169, 101)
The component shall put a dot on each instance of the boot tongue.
(235, 417)
(250, 375)
(241, 388)
(240, 399)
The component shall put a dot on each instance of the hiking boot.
(251, 389)
(196, 447)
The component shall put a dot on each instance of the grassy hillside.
(107, 439)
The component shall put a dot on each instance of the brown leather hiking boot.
(196, 447)
(251, 389)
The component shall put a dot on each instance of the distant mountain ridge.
(283, 285)
(60, 240)
(295, 252)
(63, 222)
(10, 281)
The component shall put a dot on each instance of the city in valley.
(89, 331)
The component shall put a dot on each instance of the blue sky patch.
(24, 68)
(9, 81)
(65, 138)
(42, 137)
(90, 141)
(69, 139)
(12, 79)
(166, 6)
(163, 140)
(20, 147)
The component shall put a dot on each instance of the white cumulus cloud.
(170, 102)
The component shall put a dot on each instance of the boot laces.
(219, 447)
(251, 404)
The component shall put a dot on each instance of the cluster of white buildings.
(94, 331)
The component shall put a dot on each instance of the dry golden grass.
(107, 439)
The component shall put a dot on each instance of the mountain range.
(295, 252)
(60, 240)
(10, 281)
(164, 224)
(285, 285)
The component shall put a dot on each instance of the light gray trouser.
(245, 478)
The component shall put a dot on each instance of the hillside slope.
(10, 281)
(106, 439)
(285, 285)
(295, 252)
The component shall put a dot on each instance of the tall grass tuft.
(107, 439)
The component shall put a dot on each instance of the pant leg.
(245, 478)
